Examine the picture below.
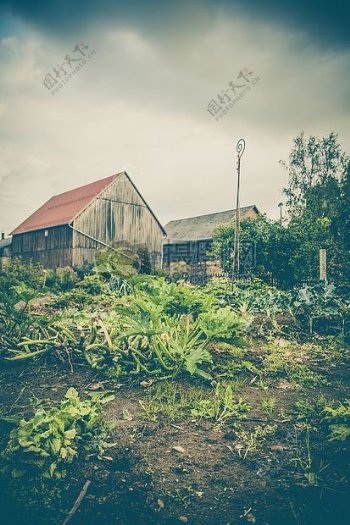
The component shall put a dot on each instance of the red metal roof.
(62, 209)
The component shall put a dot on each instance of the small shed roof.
(4, 243)
(203, 226)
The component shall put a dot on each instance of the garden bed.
(171, 467)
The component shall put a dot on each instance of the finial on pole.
(240, 147)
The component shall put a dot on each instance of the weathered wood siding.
(53, 250)
(118, 215)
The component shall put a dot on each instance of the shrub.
(55, 437)
(223, 323)
(93, 284)
(17, 273)
(319, 303)
(66, 279)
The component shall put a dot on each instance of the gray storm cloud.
(141, 102)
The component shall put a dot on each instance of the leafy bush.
(223, 323)
(17, 273)
(254, 297)
(16, 320)
(66, 279)
(78, 296)
(93, 285)
(51, 279)
(175, 298)
(319, 302)
(138, 341)
(111, 262)
(55, 437)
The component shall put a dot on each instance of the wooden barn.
(190, 240)
(69, 228)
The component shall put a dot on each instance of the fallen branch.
(77, 502)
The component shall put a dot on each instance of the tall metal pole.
(240, 147)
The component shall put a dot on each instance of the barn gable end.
(118, 216)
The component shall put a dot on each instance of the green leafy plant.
(17, 273)
(170, 400)
(183, 349)
(76, 296)
(221, 405)
(319, 303)
(338, 419)
(16, 318)
(223, 323)
(251, 441)
(174, 298)
(115, 262)
(55, 437)
(310, 411)
(93, 284)
(268, 405)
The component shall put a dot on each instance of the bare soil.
(210, 480)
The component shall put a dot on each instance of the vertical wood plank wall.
(118, 214)
(52, 251)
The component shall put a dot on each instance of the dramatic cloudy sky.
(140, 103)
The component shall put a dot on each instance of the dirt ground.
(208, 479)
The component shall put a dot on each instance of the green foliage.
(66, 279)
(318, 196)
(170, 400)
(93, 285)
(77, 296)
(16, 273)
(16, 320)
(43, 336)
(55, 437)
(249, 298)
(139, 339)
(338, 419)
(254, 231)
(223, 323)
(319, 302)
(311, 468)
(120, 286)
(310, 411)
(340, 228)
(303, 375)
(115, 262)
(251, 441)
(315, 167)
(284, 358)
(318, 200)
(174, 298)
(221, 405)
(285, 253)
(268, 405)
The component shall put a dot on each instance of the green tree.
(286, 254)
(316, 168)
(341, 231)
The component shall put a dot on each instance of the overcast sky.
(140, 102)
